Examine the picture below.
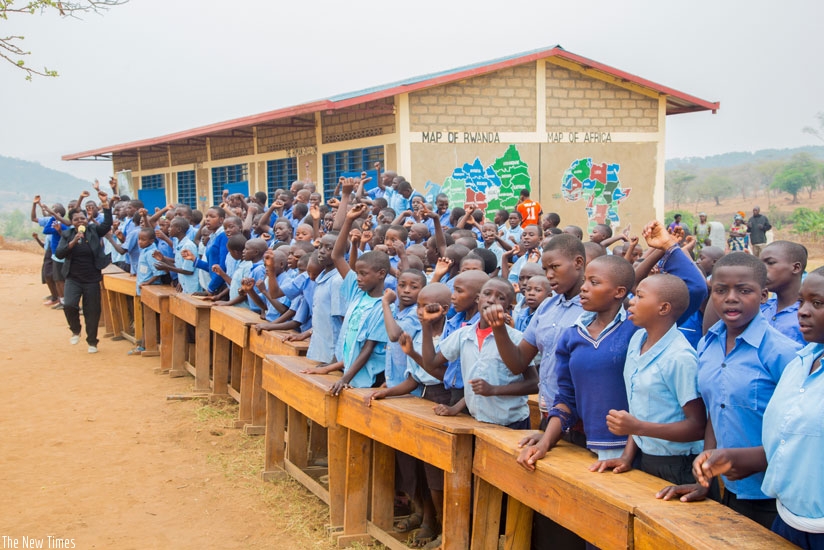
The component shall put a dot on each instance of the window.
(224, 175)
(152, 182)
(279, 175)
(187, 188)
(353, 161)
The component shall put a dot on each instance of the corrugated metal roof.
(677, 102)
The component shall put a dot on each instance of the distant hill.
(21, 180)
(729, 160)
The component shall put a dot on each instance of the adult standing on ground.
(701, 230)
(82, 251)
(757, 227)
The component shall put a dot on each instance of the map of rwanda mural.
(599, 186)
(490, 187)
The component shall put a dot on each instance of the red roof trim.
(315, 106)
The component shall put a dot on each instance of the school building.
(587, 140)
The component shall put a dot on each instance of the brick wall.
(500, 101)
(188, 154)
(152, 159)
(229, 147)
(122, 161)
(578, 101)
(281, 138)
(360, 122)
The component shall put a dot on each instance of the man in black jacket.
(84, 257)
(757, 227)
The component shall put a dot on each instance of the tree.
(817, 132)
(801, 172)
(717, 185)
(11, 49)
(766, 172)
(677, 183)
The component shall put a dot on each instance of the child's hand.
(84, 193)
(431, 313)
(482, 387)
(157, 255)
(219, 302)
(356, 211)
(625, 232)
(216, 269)
(261, 286)
(333, 202)
(399, 248)
(185, 254)
(406, 344)
(355, 237)
(143, 212)
(692, 492)
(247, 284)
(364, 179)
(338, 386)
(96, 185)
(367, 223)
(531, 439)
(389, 296)
(443, 410)
(346, 187)
(494, 315)
(314, 211)
(366, 236)
(514, 251)
(36, 199)
(113, 183)
(529, 456)
(622, 423)
(689, 244)
(266, 237)
(442, 267)
(534, 256)
(379, 394)
(657, 237)
(377, 166)
(711, 463)
(296, 337)
(34, 235)
(617, 465)
(269, 259)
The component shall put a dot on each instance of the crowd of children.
(684, 368)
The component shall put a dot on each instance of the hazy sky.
(153, 67)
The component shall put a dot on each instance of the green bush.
(687, 219)
(807, 222)
(16, 225)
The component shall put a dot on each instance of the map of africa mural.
(599, 186)
(489, 187)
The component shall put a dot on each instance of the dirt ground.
(92, 451)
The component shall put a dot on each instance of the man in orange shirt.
(530, 210)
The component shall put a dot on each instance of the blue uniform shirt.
(550, 320)
(328, 309)
(486, 364)
(793, 437)
(786, 320)
(146, 267)
(452, 377)
(659, 383)
(363, 321)
(736, 387)
(407, 319)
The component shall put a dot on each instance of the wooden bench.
(120, 289)
(609, 510)
(534, 412)
(231, 356)
(268, 342)
(699, 525)
(106, 319)
(194, 311)
(406, 424)
(293, 399)
(155, 300)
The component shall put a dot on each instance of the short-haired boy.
(666, 416)
(493, 393)
(786, 262)
(740, 361)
